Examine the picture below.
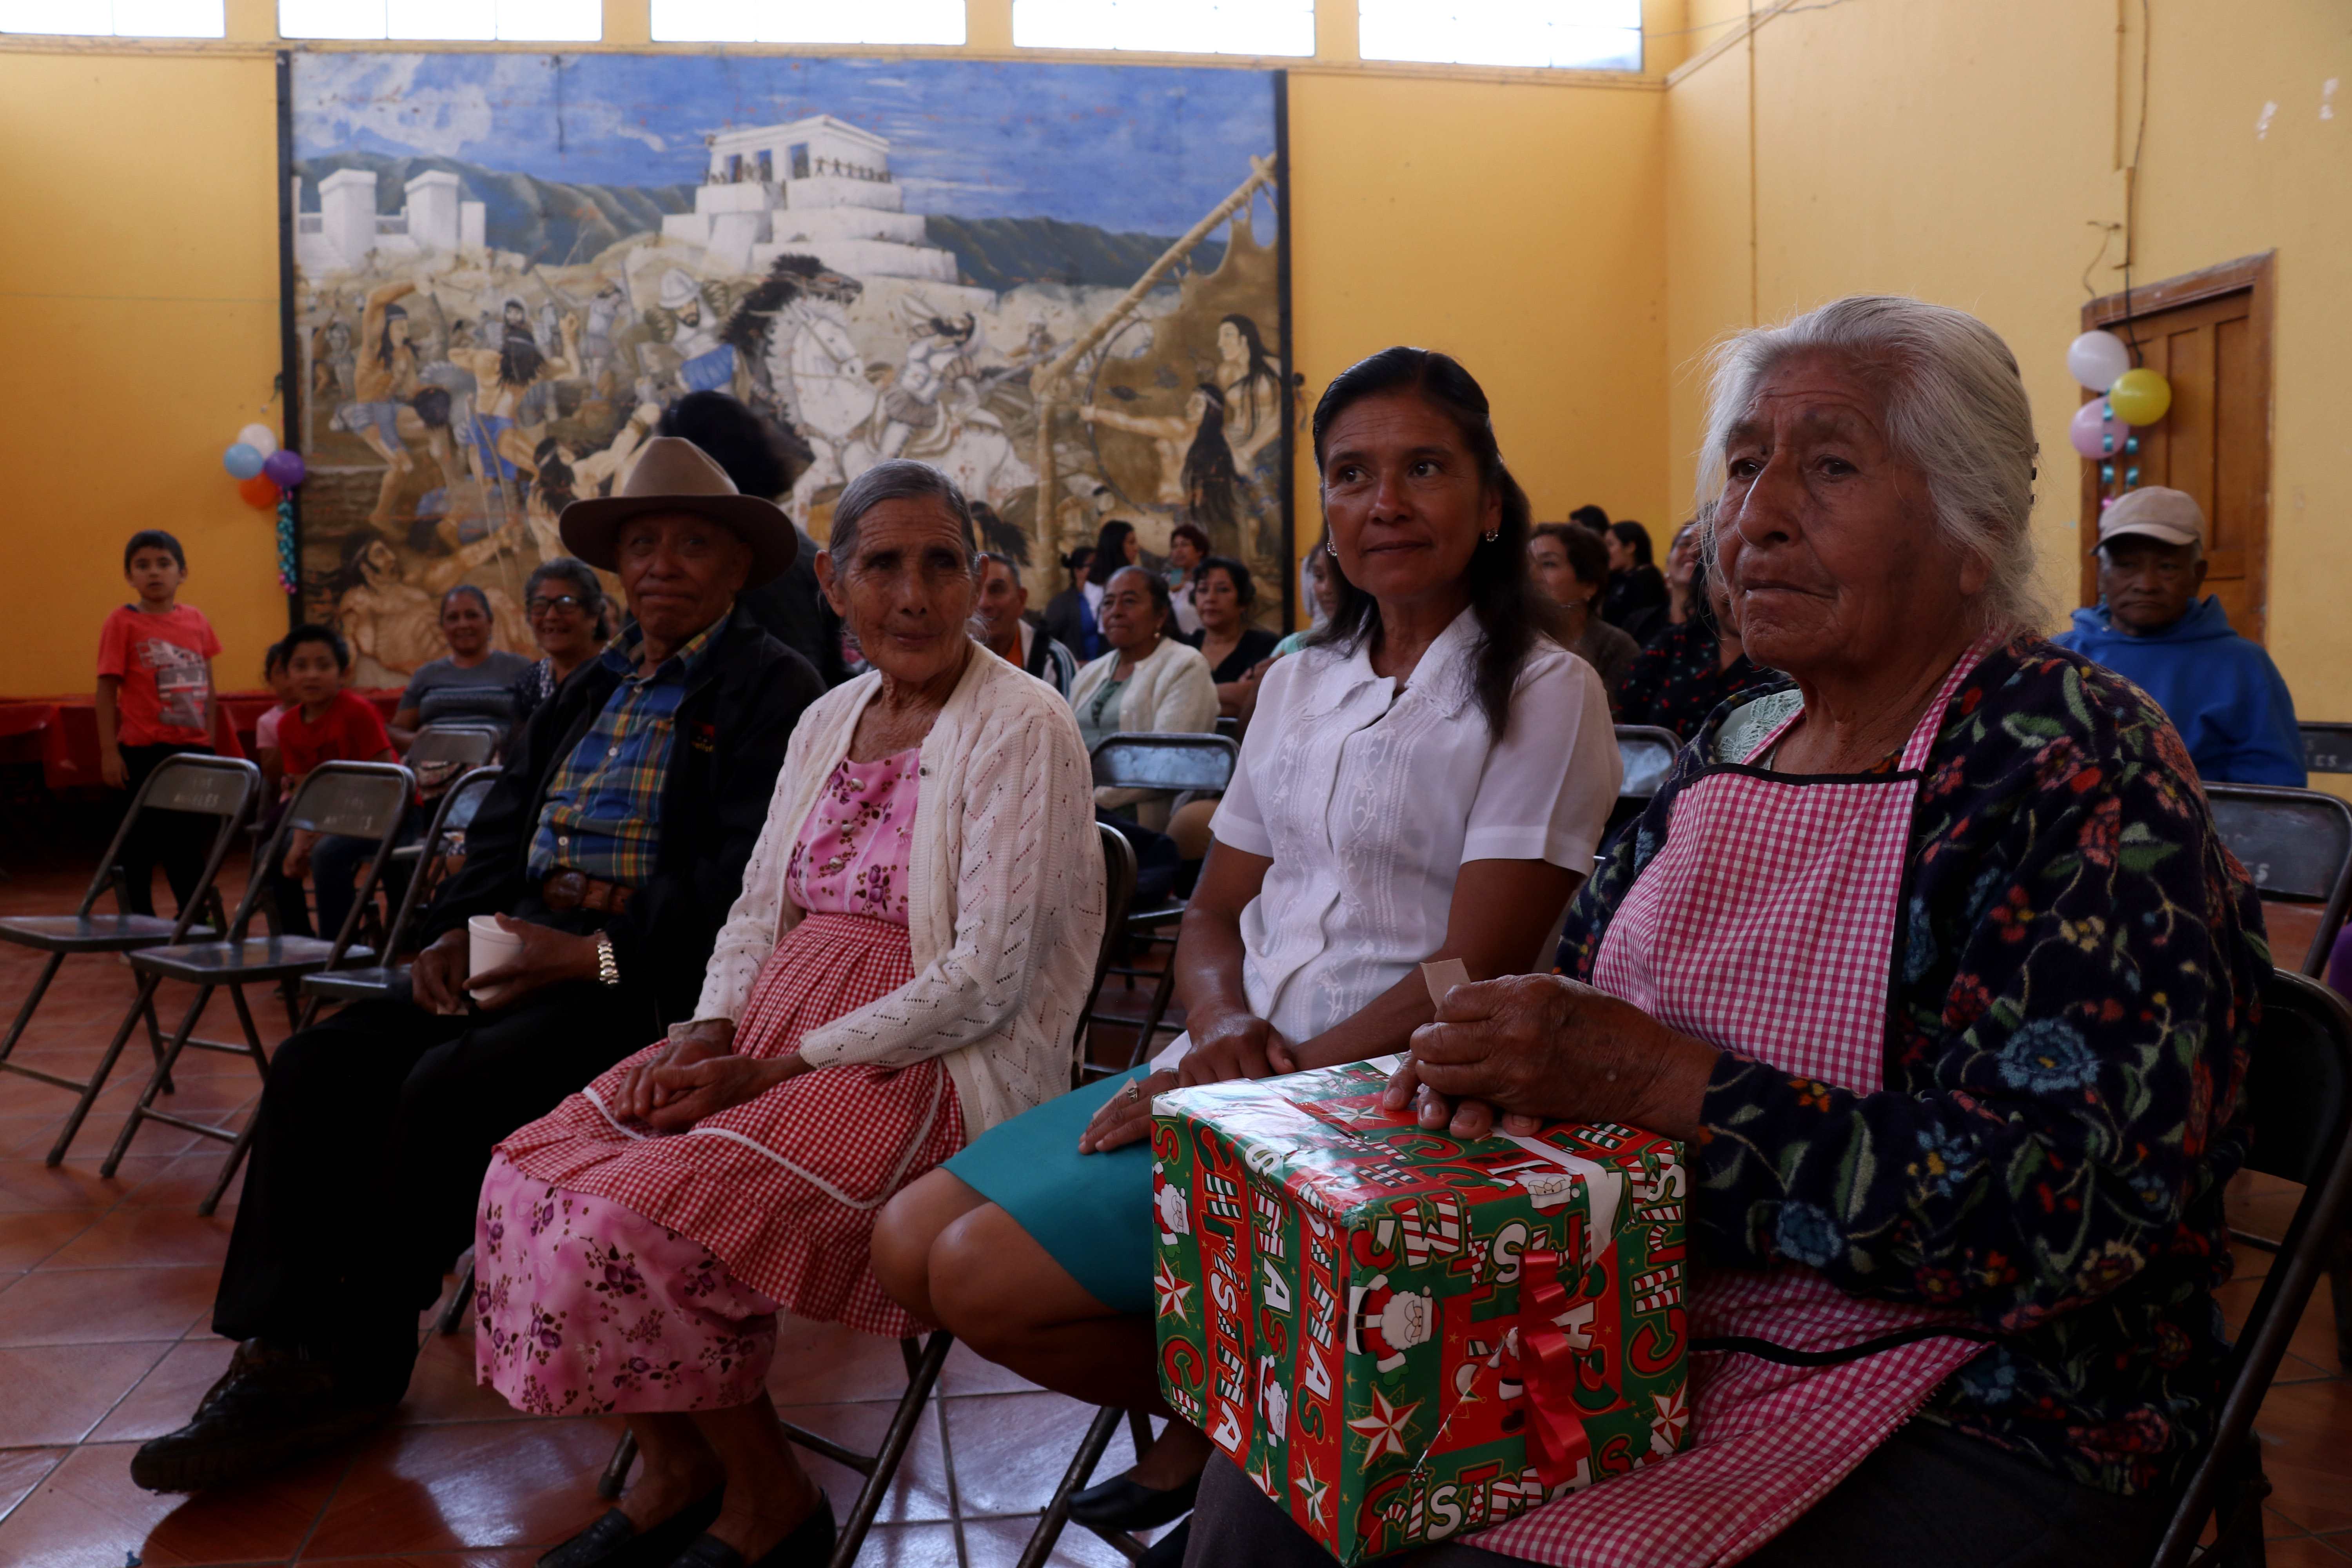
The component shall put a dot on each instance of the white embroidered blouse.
(1367, 800)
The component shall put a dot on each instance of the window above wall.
(527, 21)
(808, 21)
(1168, 26)
(112, 18)
(1567, 35)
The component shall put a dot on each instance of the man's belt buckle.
(565, 892)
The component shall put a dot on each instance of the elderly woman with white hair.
(1935, 961)
(915, 935)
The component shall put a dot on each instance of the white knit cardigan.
(1004, 893)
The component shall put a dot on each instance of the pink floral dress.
(621, 1269)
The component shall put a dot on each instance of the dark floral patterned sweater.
(1677, 679)
(2077, 984)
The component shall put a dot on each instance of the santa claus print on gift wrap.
(1383, 1322)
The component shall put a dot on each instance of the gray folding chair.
(1188, 766)
(1649, 753)
(362, 800)
(1118, 891)
(2298, 1103)
(2297, 843)
(2327, 748)
(443, 750)
(450, 820)
(221, 787)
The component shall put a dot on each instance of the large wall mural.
(1061, 283)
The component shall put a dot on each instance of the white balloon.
(264, 440)
(2098, 358)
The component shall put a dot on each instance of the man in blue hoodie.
(2224, 693)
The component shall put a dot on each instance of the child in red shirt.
(155, 701)
(326, 724)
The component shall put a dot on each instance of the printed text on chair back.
(2293, 843)
(2327, 748)
(358, 805)
(186, 783)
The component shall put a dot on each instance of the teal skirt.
(1092, 1212)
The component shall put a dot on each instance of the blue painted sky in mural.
(1126, 148)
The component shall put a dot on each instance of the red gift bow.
(1548, 1366)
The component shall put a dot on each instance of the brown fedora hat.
(674, 475)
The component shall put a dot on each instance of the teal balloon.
(241, 461)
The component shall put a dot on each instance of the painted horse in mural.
(793, 330)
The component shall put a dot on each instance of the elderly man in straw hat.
(2220, 691)
(608, 854)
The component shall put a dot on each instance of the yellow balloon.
(2139, 396)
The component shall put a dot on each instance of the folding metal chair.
(442, 750)
(1118, 891)
(2299, 1105)
(1188, 766)
(1649, 753)
(2327, 748)
(2297, 845)
(362, 800)
(450, 820)
(221, 787)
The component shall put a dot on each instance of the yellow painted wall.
(1515, 226)
(1962, 150)
(138, 301)
(1510, 218)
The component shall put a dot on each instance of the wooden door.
(2207, 333)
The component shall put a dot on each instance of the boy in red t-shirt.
(155, 701)
(326, 724)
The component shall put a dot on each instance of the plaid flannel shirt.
(603, 809)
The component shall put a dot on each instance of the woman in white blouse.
(1428, 778)
(915, 936)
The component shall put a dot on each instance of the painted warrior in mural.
(385, 386)
(935, 356)
(504, 375)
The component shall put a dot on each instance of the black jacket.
(794, 610)
(1065, 622)
(731, 726)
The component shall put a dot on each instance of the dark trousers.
(1926, 1498)
(373, 1132)
(176, 840)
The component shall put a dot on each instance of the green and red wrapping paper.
(1402, 1336)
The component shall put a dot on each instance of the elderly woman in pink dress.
(914, 938)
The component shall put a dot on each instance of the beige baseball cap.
(2170, 517)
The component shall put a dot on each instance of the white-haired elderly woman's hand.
(1537, 1047)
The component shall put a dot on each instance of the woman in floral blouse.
(1689, 667)
(1937, 963)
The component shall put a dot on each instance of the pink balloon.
(2094, 432)
(285, 467)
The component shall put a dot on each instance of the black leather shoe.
(613, 1543)
(272, 1407)
(1120, 1503)
(808, 1546)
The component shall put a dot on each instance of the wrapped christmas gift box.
(1402, 1336)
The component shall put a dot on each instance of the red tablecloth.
(61, 732)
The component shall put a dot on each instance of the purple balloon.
(284, 467)
(2093, 431)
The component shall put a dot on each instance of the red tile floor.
(105, 1293)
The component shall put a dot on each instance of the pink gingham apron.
(1766, 925)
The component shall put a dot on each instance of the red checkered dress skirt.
(783, 1189)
